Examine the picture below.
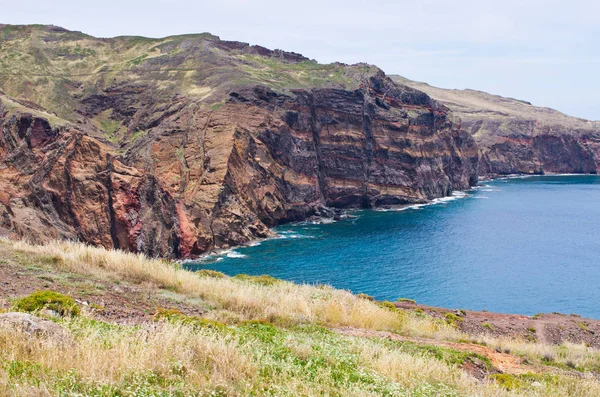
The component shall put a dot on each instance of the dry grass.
(117, 356)
(296, 357)
(167, 359)
(474, 105)
(568, 354)
(281, 302)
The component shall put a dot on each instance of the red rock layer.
(203, 178)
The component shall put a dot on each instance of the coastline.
(344, 213)
(246, 266)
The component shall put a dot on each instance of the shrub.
(508, 381)
(50, 300)
(488, 326)
(366, 297)
(532, 330)
(407, 300)
(210, 273)
(175, 316)
(583, 325)
(388, 305)
(166, 314)
(262, 280)
(452, 319)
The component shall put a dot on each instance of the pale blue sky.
(546, 52)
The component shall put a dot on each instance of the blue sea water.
(522, 245)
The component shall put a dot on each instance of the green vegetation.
(251, 359)
(388, 305)
(210, 273)
(488, 326)
(177, 317)
(261, 280)
(49, 300)
(74, 52)
(584, 326)
(365, 296)
(110, 128)
(258, 336)
(138, 60)
(58, 69)
(137, 135)
(407, 300)
(453, 319)
(525, 381)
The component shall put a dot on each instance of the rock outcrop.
(177, 146)
(516, 137)
(541, 154)
(188, 176)
(35, 328)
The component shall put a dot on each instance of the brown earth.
(106, 298)
(501, 362)
(550, 328)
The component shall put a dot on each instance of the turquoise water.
(524, 245)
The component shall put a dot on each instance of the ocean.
(517, 245)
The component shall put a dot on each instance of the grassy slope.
(472, 105)
(264, 337)
(56, 68)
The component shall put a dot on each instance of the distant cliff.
(176, 146)
(517, 137)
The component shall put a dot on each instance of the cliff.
(176, 146)
(516, 137)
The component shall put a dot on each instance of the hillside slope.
(179, 145)
(516, 137)
(214, 335)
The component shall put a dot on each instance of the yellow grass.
(248, 359)
(282, 301)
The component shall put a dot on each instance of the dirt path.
(504, 363)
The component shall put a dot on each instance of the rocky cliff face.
(516, 137)
(542, 153)
(202, 177)
(180, 145)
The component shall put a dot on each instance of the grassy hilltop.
(215, 335)
(56, 68)
(503, 116)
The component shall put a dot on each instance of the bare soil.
(551, 328)
(108, 299)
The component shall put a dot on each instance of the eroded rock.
(34, 327)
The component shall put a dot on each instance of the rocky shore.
(180, 146)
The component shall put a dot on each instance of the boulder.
(34, 327)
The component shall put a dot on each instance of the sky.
(546, 52)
